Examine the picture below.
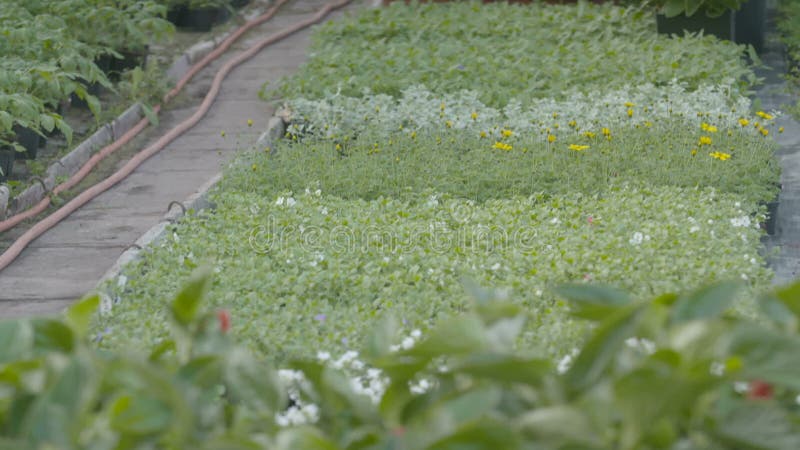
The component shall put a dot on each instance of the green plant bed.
(507, 51)
(304, 272)
(482, 168)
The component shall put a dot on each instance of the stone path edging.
(198, 201)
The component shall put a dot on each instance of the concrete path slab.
(68, 261)
(774, 95)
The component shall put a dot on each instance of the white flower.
(636, 239)
(407, 343)
(280, 201)
(555, 221)
(324, 211)
(566, 362)
(323, 356)
(694, 229)
(495, 266)
(743, 221)
(717, 369)
(416, 334)
(290, 201)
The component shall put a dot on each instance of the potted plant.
(199, 15)
(741, 21)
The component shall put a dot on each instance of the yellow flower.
(555, 115)
(780, 130)
(483, 134)
(578, 148)
(551, 138)
(648, 124)
(254, 167)
(764, 115)
(441, 107)
(506, 133)
(606, 132)
(474, 116)
(629, 104)
(502, 146)
(588, 134)
(764, 131)
(449, 124)
(720, 156)
(413, 135)
(250, 123)
(704, 140)
(572, 123)
(630, 112)
(222, 133)
(709, 128)
(338, 147)
(694, 151)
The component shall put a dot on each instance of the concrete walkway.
(773, 95)
(68, 260)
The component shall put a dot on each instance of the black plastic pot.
(130, 60)
(751, 23)
(92, 88)
(177, 15)
(772, 218)
(721, 27)
(239, 3)
(202, 19)
(28, 139)
(7, 156)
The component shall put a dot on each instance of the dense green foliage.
(675, 372)
(51, 49)
(282, 260)
(507, 51)
(468, 166)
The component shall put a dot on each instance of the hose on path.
(89, 165)
(84, 197)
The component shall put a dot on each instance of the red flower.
(759, 390)
(590, 219)
(224, 318)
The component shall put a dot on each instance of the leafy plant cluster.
(678, 371)
(483, 165)
(307, 271)
(508, 52)
(54, 49)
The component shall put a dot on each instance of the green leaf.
(80, 314)
(486, 433)
(599, 351)
(150, 113)
(16, 340)
(303, 438)
(53, 335)
(454, 336)
(559, 424)
(47, 122)
(187, 303)
(790, 296)
(252, 383)
(759, 425)
(139, 414)
(707, 302)
(504, 368)
(593, 302)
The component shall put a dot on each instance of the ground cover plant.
(306, 271)
(507, 52)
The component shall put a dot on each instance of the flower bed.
(386, 194)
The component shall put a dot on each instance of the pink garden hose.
(84, 197)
